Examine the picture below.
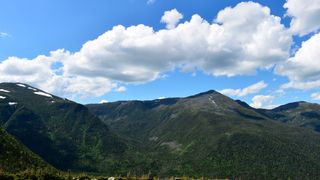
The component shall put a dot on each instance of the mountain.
(207, 134)
(16, 157)
(302, 114)
(134, 118)
(62, 132)
(211, 135)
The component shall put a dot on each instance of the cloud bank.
(252, 89)
(229, 46)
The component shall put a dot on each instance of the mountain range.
(205, 135)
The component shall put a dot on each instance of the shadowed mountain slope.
(15, 157)
(62, 132)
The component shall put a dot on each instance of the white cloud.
(151, 1)
(305, 15)
(40, 73)
(315, 96)
(301, 85)
(252, 89)
(104, 101)
(279, 92)
(303, 68)
(263, 101)
(171, 18)
(36, 71)
(138, 54)
(3, 34)
(121, 89)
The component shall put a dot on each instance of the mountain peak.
(210, 92)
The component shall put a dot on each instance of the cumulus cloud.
(254, 88)
(138, 54)
(305, 15)
(230, 47)
(263, 101)
(41, 73)
(303, 68)
(36, 71)
(171, 18)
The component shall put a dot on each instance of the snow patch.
(43, 94)
(12, 103)
(2, 97)
(3, 90)
(212, 101)
(21, 85)
(32, 88)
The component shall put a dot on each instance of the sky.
(263, 52)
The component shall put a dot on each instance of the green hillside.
(15, 157)
(205, 135)
(62, 132)
(214, 136)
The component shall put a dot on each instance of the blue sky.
(38, 27)
(32, 28)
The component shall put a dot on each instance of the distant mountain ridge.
(300, 114)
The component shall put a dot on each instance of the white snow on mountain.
(213, 102)
(3, 90)
(31, 88)
(21, 85)
(43, 94)
(12, 103)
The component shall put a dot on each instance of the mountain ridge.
(203, 135)
(211, 133)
